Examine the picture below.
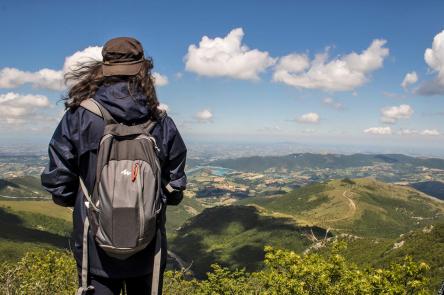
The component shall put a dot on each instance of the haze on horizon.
(317, 74)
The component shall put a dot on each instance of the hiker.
(118, 159)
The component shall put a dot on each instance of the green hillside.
(333, 161)
(425, 244)
(363, 207)
(177, 215)
(22, 187)
(25, 230)
(236, 236)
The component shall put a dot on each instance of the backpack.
(124, 208)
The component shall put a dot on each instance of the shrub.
(40, 272)
(285, 272)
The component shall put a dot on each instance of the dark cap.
(122, 56)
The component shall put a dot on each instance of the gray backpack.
(124, 208)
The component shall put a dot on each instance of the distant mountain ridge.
(432, 188)
(23, 187)
(334, 161)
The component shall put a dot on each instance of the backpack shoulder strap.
(149, 125)
(95, 107)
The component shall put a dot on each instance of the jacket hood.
(123, 106)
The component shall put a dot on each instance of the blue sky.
(260, 81)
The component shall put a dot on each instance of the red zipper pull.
(134, 172)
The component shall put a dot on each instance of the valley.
(384, 207)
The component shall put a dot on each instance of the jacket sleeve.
(60, 176)
(174, 168)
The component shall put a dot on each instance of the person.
(124, 85)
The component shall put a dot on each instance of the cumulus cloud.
(394, 113)
(434, 57)
(204, 116)
(160, 80)
(44, 78)
(227, 57)
(17, 109)
(426, 132)
(89, 54)
(309, 118)
(409, 79)
(430, 132)
(53, 79)
(378, 130)
(164, 107)
(331, 102)
(340, 74)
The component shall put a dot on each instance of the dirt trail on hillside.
(351, 204)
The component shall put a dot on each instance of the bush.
(40, 272)
(285, 272)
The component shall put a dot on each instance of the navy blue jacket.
(73, 153)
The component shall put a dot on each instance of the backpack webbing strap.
(87, 195)
(156, 266)
(95, 107)
(84, 288)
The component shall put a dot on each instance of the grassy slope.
(364, 207)
(236, 236)
(44, 207)
(24, 230)
(177, 215)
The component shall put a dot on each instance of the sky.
(320, 72)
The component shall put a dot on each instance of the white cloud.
(394, 113)
(379, 130)
(204, 116)
(425, 132)
(17, 109)
(434, 57)
(164, 107)
(227, 57)
(44, 78)
(160, 80)
(408, 132)
(409, 79)
(341, 74)
(310, 118)
(53, 79)
(331, 102)
(89, 54)
(430, 132)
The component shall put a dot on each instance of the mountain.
(32, 224)
(424, 244)
(322, 161)
(362, 207)
(432, 188)
(236, 236)
(177, 215)
(25, 187)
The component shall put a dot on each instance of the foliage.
(285, 272)
(39, 272)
